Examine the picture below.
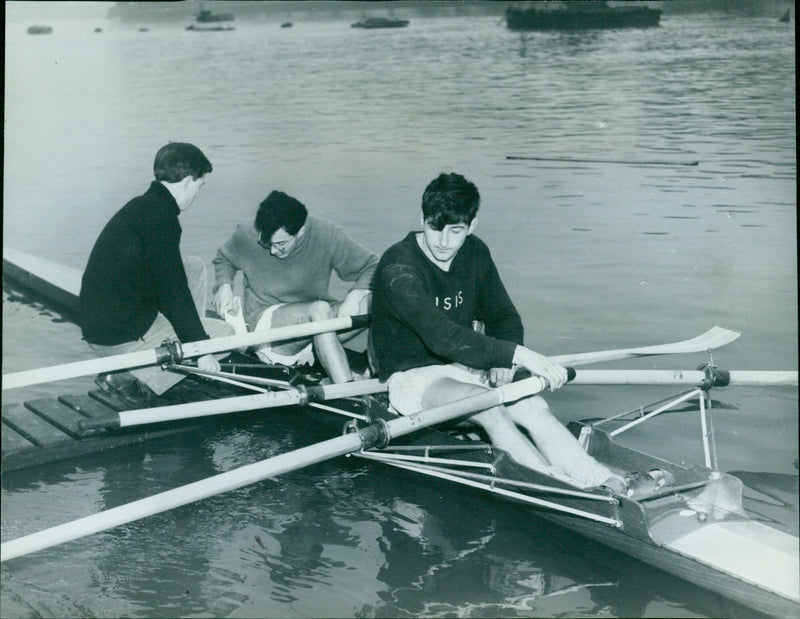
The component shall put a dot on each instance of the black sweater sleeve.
(163, 259)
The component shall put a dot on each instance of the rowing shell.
(693, 527)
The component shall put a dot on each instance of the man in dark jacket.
(136, 290)
(430, 291)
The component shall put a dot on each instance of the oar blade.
(715, 337)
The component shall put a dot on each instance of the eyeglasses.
(279, 246)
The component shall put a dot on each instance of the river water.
(631, 246)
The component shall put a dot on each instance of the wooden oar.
(164, 354)
(374, 435)
(714, 378)
(292, 397)
(271, 399)
(713, 338)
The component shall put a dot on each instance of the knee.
(320, 310)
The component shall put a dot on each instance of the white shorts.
(267, 355)
(407, 388)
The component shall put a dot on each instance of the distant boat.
(380, 22)
(572, 15)
(40, 30)
(286, 24)
(207, 17)
(206, 20)
(196, 28)
(786, 16)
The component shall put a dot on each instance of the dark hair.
(450, 199)
(279, 210)
(177, 160)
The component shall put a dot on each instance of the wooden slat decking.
(46, 430)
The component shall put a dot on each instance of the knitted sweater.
(304, 275)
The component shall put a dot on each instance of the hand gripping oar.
(174, 351)
(272, 399)
(375, 435)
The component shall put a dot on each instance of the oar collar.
(714, 377)
(170, 351)
(375, 434)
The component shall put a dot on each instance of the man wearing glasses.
(287, 258)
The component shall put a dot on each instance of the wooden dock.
(48, 429)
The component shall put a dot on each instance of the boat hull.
(378, 22)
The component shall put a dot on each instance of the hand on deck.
(223, 299)
(540, 365)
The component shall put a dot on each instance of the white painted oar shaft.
(447, 412)
(79, 368)
(238, 404)
(208, 408)
(277, 465)
(164, 501)
(763, 377)
(190, 349)
(681, 377)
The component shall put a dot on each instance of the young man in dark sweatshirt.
(136, 290)
(430, 292)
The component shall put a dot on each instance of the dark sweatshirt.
(422, 315)
(135, 270)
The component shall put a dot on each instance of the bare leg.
(365, 307)
(557, 444)
(326, 345)
(495, 421)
